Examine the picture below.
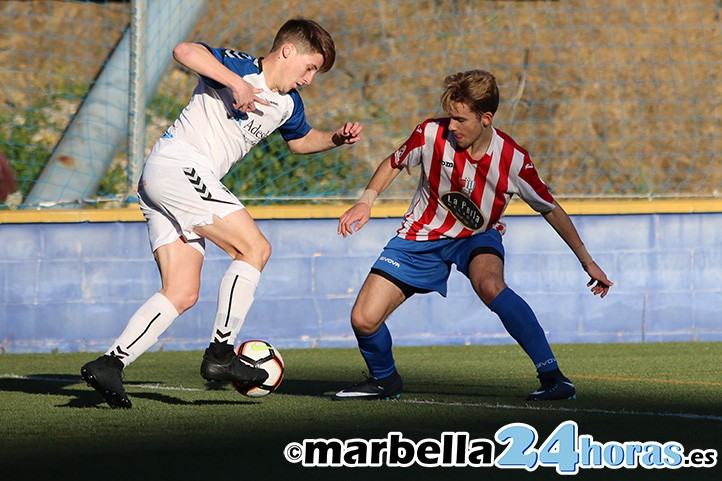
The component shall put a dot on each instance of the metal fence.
(613, 99)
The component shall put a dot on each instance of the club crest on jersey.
(463, 209)
(467, 185)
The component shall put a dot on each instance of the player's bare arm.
(197, 58)
(562, 224)
(319, 141)
(360, 213)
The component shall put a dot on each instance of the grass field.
(54, 427)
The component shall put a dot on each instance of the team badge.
(465, 211)
(468, 185)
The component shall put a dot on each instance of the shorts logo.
(200, 187)
(389, 261)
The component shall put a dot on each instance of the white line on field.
(526, 407)
(70, 380)
(557, 408)
(165, 388)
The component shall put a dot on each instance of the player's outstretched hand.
(245, 98)
(359, 214)
(349, 133)
(599, 282)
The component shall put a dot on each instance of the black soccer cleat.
(105, 375)
(372, 389)
(231, 369)
(554, 387)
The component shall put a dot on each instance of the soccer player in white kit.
(238, 101)
(469, 172)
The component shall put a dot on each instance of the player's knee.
(256, 254)
(187, 302)
(190, 300)
(265, 252)
(488, 288)
(362, 323)
(182, 300)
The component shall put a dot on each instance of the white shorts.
(175, 200)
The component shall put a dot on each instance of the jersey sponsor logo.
(255, 130)
(447, 163)
(463, 209)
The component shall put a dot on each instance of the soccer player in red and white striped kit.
(469, 172)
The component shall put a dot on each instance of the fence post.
(100, 126)
(138, 100)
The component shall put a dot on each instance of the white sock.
(143, 329)
(235, 297)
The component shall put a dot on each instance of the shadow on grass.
(61, 385)
(326, 389)
(79, 397)
(591, 395)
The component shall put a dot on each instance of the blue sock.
(521, 323)
(376, 351)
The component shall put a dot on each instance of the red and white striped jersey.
(506, 169)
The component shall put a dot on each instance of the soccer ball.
(262, 355)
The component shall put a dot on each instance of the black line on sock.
(146, 330)
(230, 301)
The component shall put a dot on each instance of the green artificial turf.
(54, 427)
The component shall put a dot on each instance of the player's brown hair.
(477, 89)
(308, 37)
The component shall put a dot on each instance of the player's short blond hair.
(308, 37)
(477, 89)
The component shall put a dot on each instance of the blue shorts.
(424, 266)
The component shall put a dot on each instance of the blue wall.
(72, 287)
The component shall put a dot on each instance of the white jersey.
(212, 134)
